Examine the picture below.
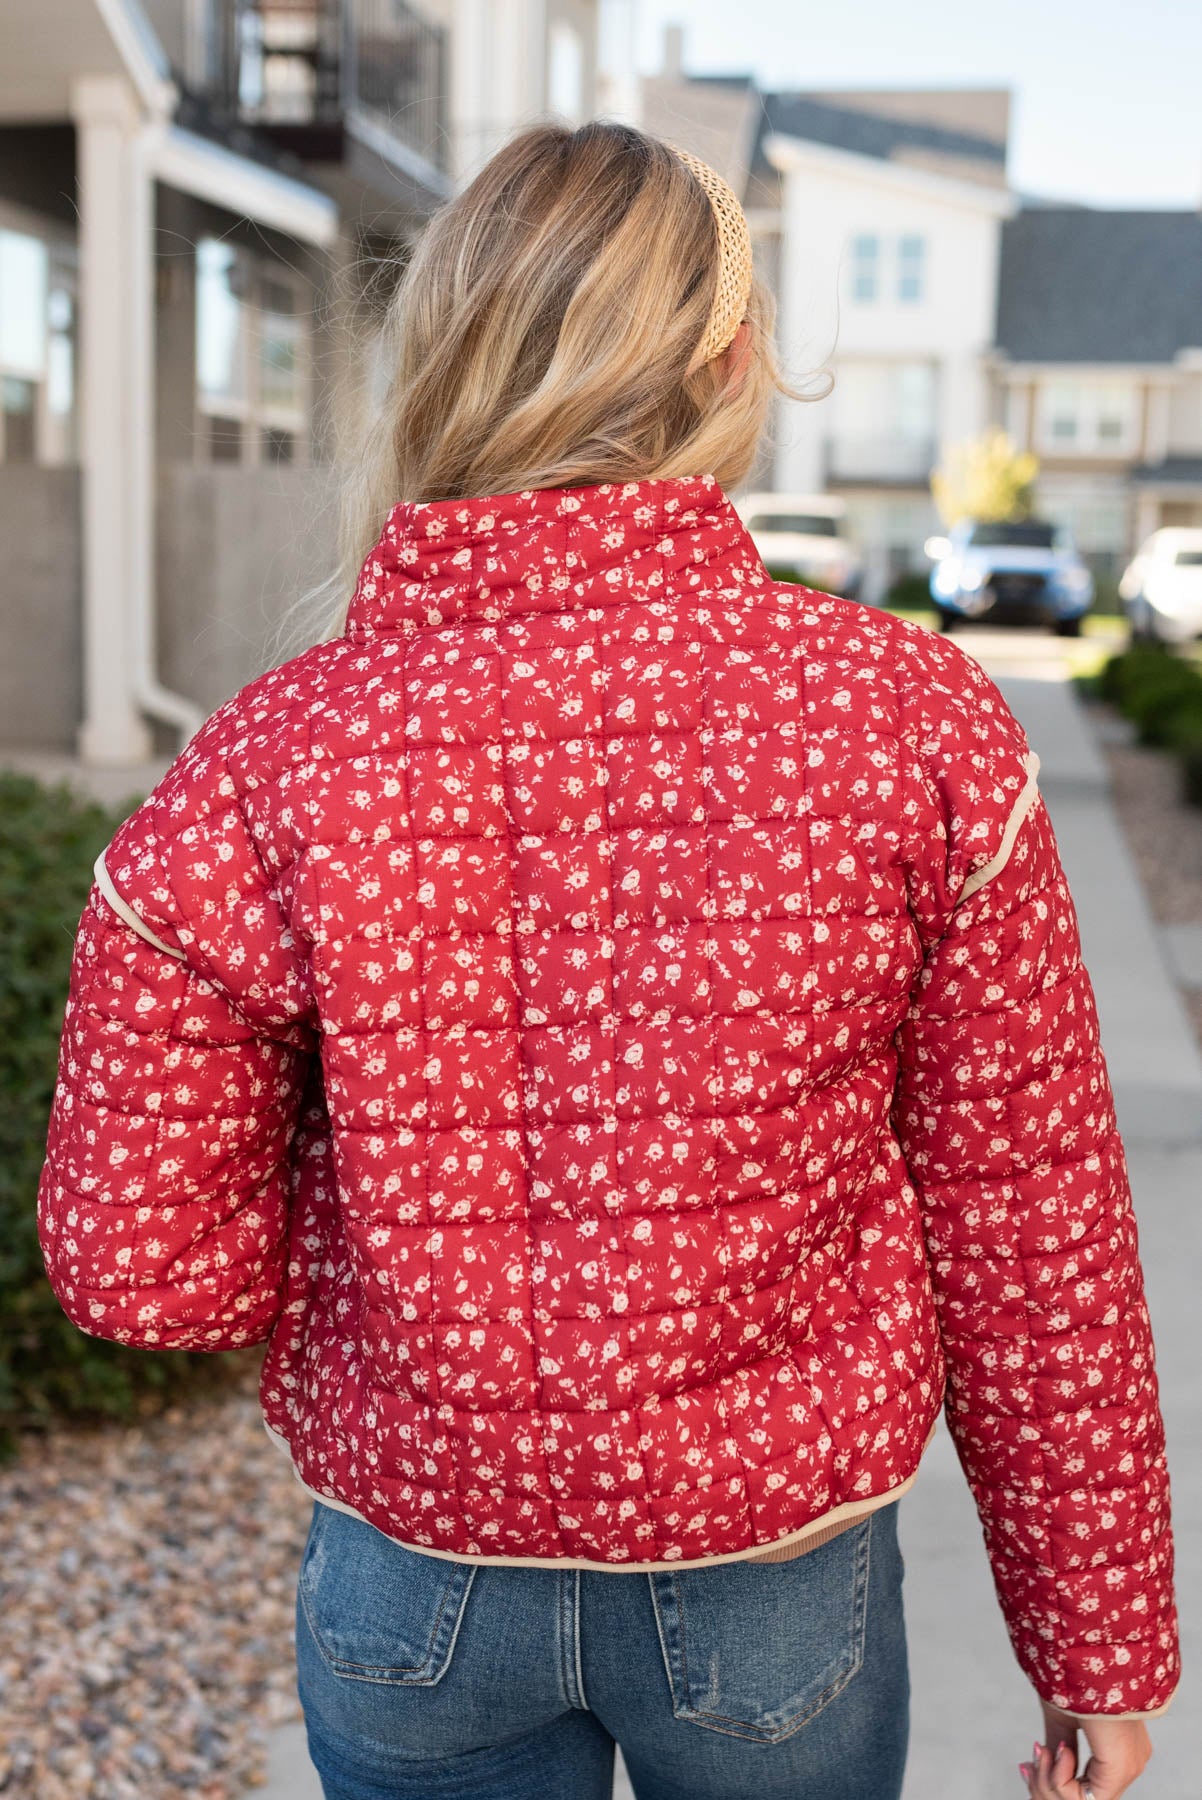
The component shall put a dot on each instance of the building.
(1098, 368)
(907, 270)
(203, 206)
(890, 217)
(876, 219)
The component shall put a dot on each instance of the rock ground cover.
(147, 1585)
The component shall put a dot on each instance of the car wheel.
(1067, 628)
(947, 620)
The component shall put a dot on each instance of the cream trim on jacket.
(125, 911)
(839, 1517)
(1021, 808)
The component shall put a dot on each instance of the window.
(908, 255)
(281, 371)
(883, 417)
(911, 267)
(1088, 418)
(279, 53)
(913, 401)
(865, 258)
(20, 405)
(1095, 510)
(1064, 409)
(251, 358)
(1016, 413)
(1024, 534)
(1111, 419)
(37, 348)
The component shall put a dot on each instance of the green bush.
(1158, 701)
(909, 593)
(1191, 774)
(1161, 692)
(1180, 724)
(1131, 670)
(49, 1370)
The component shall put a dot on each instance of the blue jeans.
(422, 1678)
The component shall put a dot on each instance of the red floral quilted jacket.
(616, 1024)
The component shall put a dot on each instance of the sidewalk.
(974, 1716)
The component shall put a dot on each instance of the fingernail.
(1024, 1770)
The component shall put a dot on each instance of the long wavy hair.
(542, 335)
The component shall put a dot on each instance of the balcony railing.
(398, 71)
(297, 68)
(888, 459)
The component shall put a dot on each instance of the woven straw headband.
(734, 259)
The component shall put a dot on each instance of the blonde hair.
(543, 331)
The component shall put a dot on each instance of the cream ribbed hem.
(1089, 1718)
(829, 1525)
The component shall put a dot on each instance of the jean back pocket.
(378, 1611)
(755, 1650)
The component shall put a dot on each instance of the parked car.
(804, 536)
(1021, 571)
(1161, 589)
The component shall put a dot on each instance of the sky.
(1107, 94)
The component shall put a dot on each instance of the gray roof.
(1097, 287)
(867, 134)
(1184, 469)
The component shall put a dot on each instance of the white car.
(802, 536)
(1161, 589)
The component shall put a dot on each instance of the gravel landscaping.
(147, 1586)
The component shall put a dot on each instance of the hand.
(1119, 1751)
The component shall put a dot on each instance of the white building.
(907, 271)
(888, 278)
(877, 220)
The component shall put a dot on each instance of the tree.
(985, 478)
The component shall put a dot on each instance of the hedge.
(910, 593)
(1161, 692)
(49, 1370)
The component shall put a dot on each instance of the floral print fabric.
(585, 1062)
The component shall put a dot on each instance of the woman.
(615, 1025)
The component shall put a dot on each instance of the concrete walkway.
(974, 1715)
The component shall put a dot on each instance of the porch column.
(107, 118)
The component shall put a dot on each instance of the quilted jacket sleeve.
(162, 1207)
(1005, 1113)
